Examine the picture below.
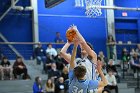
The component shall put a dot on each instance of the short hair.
(4, 57)
(109, 70)
(49, 44)
(98, 58)
(37, 78)
(19, 57)
(80, 71)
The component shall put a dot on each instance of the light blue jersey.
(81, 86)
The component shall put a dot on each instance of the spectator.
(102, 64)
(125, 58)
(50, 87)
(51, 51)
(111, 43)
(39, 54)
(19, 67)
(6, 66)
(65, 73)
(112, 67)
(138, 50)
(47, 65)
(135, 62)
(60, 62)
(53, 73)
(103, 58)
(60, 86)
(132, 52)
(112, 84)
(37, 86)
(58, 38)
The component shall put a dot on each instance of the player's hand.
(74, 27)
(76, 41)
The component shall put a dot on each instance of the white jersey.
(90, 67)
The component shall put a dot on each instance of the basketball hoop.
(92, 7)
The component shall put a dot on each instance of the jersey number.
(75, 90)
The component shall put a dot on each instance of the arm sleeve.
(36, 89)
(93, 84)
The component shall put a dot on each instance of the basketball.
(70, 34)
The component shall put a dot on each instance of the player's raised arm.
(84, 44)
(72, 63)
(64, 53)
(103, 81)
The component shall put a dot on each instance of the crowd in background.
(12, 72)
(57, 68)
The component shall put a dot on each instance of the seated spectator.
(39, 54)
(53, 73)
(60, 86)
(6, 66)
(50, 87)
(112, 67)
(112, 84)
(51, 51)
(138, 50)
(37, 87)
(19, 68)
(65, 73)
(60, 62)
(58, 38)
(103, 67)
(125, 57)
(135, 62)
(132, 52)
(103, 58)
(47, 65)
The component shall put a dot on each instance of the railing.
(24, 48)
(120, 46)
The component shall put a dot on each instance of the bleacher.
(126, 85)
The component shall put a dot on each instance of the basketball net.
(92, 7)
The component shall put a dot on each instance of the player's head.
(80, 72)
(83, 51)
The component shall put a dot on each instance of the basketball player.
(89, 57)
(78, 82)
